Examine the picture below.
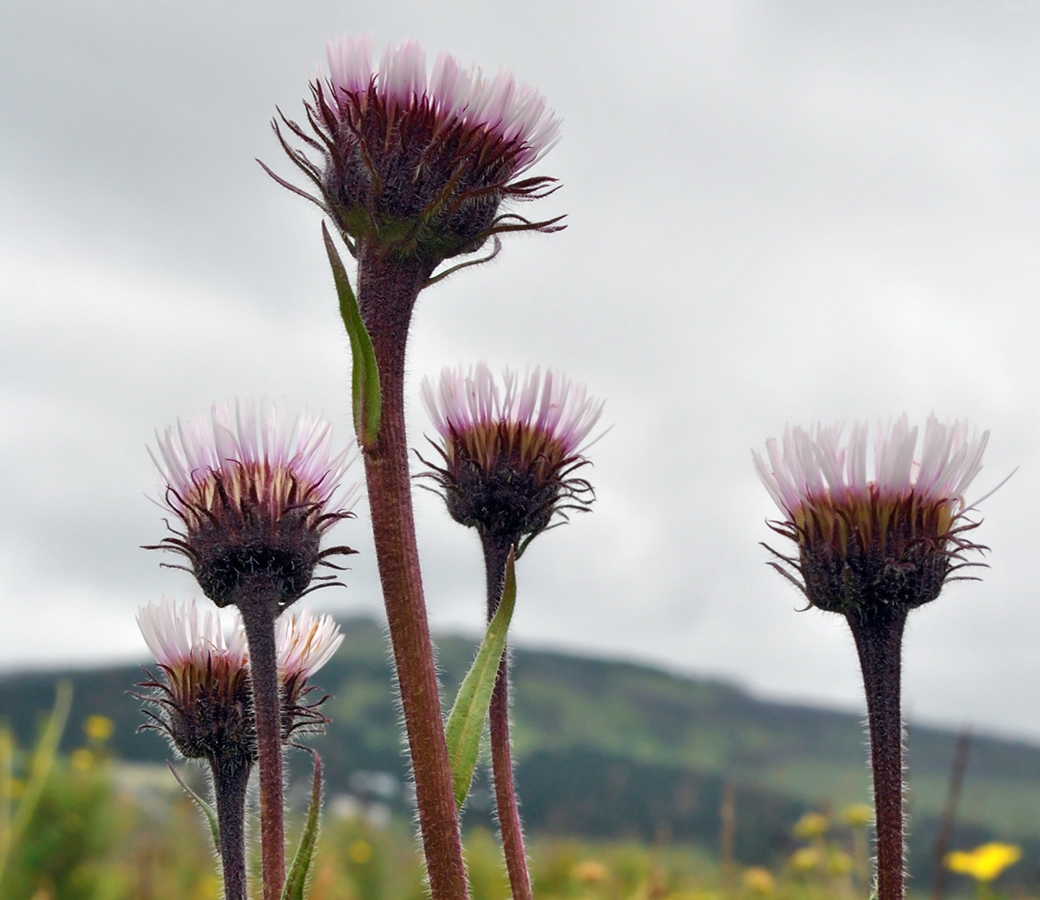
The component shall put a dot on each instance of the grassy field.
(106, 830)
(653, 723)
(623, 772)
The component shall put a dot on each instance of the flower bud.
(510, 455)
(865, 542)
(255, 495)
(417, 163)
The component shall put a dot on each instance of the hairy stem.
(879, 639)
(496, 554)
(258, 605)
(230, 779)
(386, 295)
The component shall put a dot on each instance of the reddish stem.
(386, 295)
(879, 638)
(230, 779)
(496, 554)
(258, 605)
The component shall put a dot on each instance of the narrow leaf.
(467, 716)
(365, 380)
(301, 864)
(207, 810)
(39, 770)
(6, 781)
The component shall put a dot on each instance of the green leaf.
(467, 716)
(207, 810)
(301, 864)
(365, 381)
(43, 758)
(39, 771)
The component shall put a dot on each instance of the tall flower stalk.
(255, 495)
(412, 169)
(202, 703)
(204, 707)
(508, 464)
(872, 548)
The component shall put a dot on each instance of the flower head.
(986, 862)
(510, 454)
(305, 643)
(759, 881)
(420, 162)
(891, 537)
(255, 494)
(203, 696)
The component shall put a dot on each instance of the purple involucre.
(513, 112)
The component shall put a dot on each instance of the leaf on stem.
(365, 380)
(469, 712)
(207, 810)
(301, 864)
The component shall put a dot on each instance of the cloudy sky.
(778, 213)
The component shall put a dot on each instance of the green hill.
(608, 748)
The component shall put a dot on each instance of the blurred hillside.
(611, 749)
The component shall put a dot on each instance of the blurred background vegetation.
(635, 784)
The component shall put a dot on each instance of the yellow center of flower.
(516, 445)
(884, 521)
(248, 490)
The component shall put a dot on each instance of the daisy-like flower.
(305, 643)
(510, 452)
(985, 863)
(255, 494)
(872, 547)
(203, 702)
(420, 162)
(413, 167)
(203, 695)
(893, 536)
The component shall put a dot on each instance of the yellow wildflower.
(984, 863)
(98, 728)
(81, 759)
(759, 880)
(811, 825)
(805, 860)
(839, 862)
(590, 871)
(859, 815)
(360, 852)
